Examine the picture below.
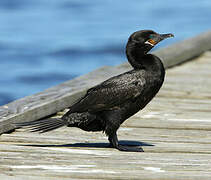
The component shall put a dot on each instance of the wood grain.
(174, 131)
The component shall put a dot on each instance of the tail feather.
(46, 128)
(43, 125)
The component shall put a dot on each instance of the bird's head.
(145, 40)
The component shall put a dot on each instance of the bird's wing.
(111, 93)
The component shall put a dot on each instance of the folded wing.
(111, 93)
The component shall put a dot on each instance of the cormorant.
(106, 106)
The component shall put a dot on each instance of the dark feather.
(43, 125)
(112, 92)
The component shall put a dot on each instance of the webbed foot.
(115, 144)
(130, 148)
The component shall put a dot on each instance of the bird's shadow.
(91, 145)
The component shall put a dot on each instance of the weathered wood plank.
(138, 134)
(62, 96)
(174, 130)
(102, 163)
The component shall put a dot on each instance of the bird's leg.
(113, 140)
(114, 143)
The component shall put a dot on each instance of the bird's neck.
(139, 59)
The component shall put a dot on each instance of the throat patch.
(151, 42)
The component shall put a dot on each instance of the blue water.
(46, 42)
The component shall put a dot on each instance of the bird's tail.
(43, 125)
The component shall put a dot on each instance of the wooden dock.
(174, 131)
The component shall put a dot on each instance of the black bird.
(106, 106)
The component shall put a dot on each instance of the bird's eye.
(150, 36)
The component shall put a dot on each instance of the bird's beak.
(157, 38)
(164, 36)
